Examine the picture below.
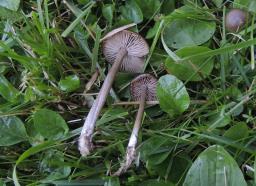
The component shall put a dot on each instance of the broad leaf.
(250, 5)
(132, 11)
(219, 119)
(69, 83)
(192, 70)
(12, 131)
(10, 4)
(50, 124)
(239, 131)
(214, 167)
(107, 12)
(53, 164)
(152, 146)
(152, 31)
(184, 32)
(172, 95)
(7, 91)
(149, 7)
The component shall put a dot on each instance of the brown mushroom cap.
(142, 82)
(136, 47)
(235, 20)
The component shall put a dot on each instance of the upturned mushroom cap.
(136, 47)
(141, 83)
(119, 29)
(235, 20)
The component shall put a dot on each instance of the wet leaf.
(152, 31)
(192, 70)
(132, 11)
(152, 146)
(7, 91)
(50, 124)
(69, 83)
(107, 12)
(250, 5)
(219, 120)
(184, 32)
(12, 131)
(172, 95)
(10, 4)
(53, 164)
(149, 7)
(214, 166)
(238, 131)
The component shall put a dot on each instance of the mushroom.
(235, 20)
(126, 51)
(143, 88)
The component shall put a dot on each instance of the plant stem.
(85, 139)
(131, 148)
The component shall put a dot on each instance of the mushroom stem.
(85, 139)
(131, 148)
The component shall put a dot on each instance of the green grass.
(46, 42)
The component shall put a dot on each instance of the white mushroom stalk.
(125, 50)
(143, 88)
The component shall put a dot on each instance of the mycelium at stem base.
(85, 139)
(131, 148)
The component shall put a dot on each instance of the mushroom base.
(85, 144)
(130, 156)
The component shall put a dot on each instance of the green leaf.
(10, 4)
(12, 131)
(181, 33)
(156, 183)
(77, 20)
(192, 70)
(7, 90)
(53, 164)
(132, 11)
(11, 16)
(213, 167)
(237, 132)
(151, 146)
(167, 7)
(172, 95)
(218, 3)
(29, 152)
(2, 183)
(250, 5)
(69, 83)
(149, 7)
(219, 120)
(107, 12)
(152, 31)
(112, 181)
(50, 124)
(111, 115)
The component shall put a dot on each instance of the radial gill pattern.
(141, 83)
(136, 46)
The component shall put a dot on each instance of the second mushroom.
(142, 89)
